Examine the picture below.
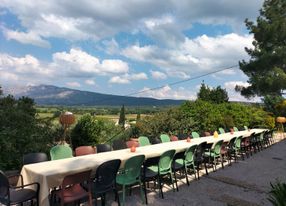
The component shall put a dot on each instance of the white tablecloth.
(50, 174)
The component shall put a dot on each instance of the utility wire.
(182, 81)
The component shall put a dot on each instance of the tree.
(216, 95)
(266, 68)
(122, 119)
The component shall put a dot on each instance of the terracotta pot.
(281, 119)
(67, 118)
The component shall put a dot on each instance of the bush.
(278, 194)
(90, 130)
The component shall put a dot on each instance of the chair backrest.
(235, 129)
(132, 167)
(103, 148)
(76, 178)
(31, 158)
(106, 174)
(200, 150)
(189, 154)
(217, 147)
(4, 188)
(155, 140)
(118, 144)
(132, 143)
(195, 135)
(238, 142)
(84, 150)
(174, 138)
(245, 127)
(164, 138)
(221, 130)
(165, 161)
(60, 152)
(143, 141)
(231, 142)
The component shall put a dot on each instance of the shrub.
(278, 194)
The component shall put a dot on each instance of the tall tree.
(266, 68)
(215, 95)
(122, 119)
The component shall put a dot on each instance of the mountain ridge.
(53, 95)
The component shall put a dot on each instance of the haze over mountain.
(53, 95)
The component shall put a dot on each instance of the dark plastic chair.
(17, 195)
(84, 150)
(105, 179)
(200, 157)
(34, 158)
(71, 189)
(61, 152)
(103, 148)
(131, 174)
(118, 144)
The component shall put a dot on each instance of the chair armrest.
(10, 177)
(27, 185)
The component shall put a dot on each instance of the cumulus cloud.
(162, 20)
(127, 78)
(193, 56)
(26, 38)
(235, 96)
(89, 82)
(73, 84)
(158, 75)
(167, 92)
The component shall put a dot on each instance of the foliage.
(90, 130)
(215, 95)
(172, 120)
(271, 103)
(266, 68)
(122, 117)
(20, 131)
(281, 108)
(278, 194)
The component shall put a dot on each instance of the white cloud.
(73, 84)
(127, 78)
(194, 56)
(158, 75)
(162, 20)
(80, 63)
(235, 96)
(26, 38)
(89, 82)
(167, 92)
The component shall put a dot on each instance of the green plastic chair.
(143, 141)
(235, 129)
(164, 167)
(187, 162)
(237, 147)
(245, 127)
(131, 174)
(195, 135)
(61, 152)
(215, 153)
(164, 138)
(221, 130)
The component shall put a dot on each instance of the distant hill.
(52, 95)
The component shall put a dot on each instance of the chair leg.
(145, 191)
(176, 180)
(221, 157)
(205, 164)
(141, 192)
(186, 173)
(160, 186)
(171, 176)
(123, 195)
(198, 170)
(194, 169)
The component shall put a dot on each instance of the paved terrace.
(245, 183)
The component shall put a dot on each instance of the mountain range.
(53, 95)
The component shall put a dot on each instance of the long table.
(50, 174)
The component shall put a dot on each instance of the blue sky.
(120, 47)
